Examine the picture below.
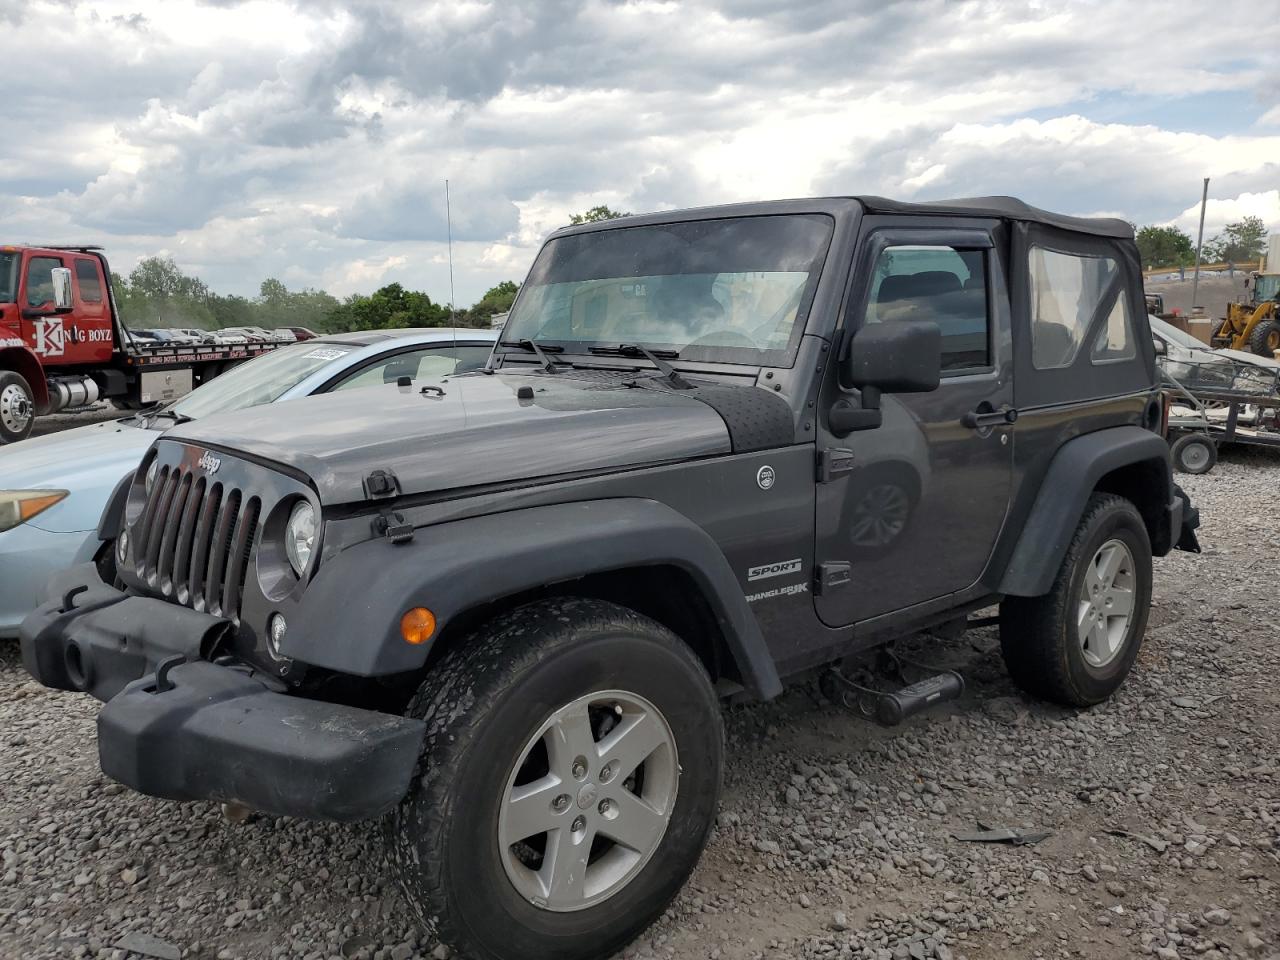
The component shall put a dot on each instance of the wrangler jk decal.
(767, 570)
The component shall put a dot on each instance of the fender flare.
(349, 618)
(22, 360)
(1072, 476)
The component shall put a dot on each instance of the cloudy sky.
(310, 141)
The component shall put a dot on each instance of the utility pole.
(1195, 283)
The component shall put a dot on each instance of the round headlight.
(151, 474)
(300, 536)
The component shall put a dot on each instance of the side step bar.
(891, 707)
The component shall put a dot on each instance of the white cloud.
(309, 141)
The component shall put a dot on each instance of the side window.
(88, 282)
(1115, 339)
(40, 280)
(430, 363)
(1066, 290)
(947, 285)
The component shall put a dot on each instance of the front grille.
(194, 540)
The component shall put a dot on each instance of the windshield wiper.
(173, 415)
(656, 357)
(526, 344)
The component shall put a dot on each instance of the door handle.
(988, 416)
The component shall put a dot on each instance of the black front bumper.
(180, 727)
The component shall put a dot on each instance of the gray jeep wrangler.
(716, 450)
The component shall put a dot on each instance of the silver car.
(53, 488)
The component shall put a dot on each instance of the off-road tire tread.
(477, 673)
(1030, 626)
(1258, 338)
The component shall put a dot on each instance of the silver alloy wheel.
(1105, 608)
(588, 800)
(15, 408)
(880, 516)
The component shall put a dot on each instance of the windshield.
(261, 380)
(1174, 335)
(8, 277)
(732, 291)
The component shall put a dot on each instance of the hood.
(87, 461)
(479, 432)
(1252, 359)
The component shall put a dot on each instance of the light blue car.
(53, 488)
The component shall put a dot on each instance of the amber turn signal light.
(417, 625)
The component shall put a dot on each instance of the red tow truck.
(63, 344)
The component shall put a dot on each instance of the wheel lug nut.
(560, 803)
(606, 807)
(579, 824)
(606, 774)
(579, 769)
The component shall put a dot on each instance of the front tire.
(1076, 644)
(567, 785)
(17, 407)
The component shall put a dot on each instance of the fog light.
(122, 546)
(276, 627)
(417, 625)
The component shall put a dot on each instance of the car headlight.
(19, 506)
(300, 536)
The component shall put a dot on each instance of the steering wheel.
(725, 338)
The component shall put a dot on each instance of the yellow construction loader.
(1254, 326)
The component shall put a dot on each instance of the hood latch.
(381, 484)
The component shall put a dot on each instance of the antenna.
(448, 225)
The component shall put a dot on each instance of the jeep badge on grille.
(209, 462)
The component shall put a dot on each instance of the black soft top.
(1009, 208)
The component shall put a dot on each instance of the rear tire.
(1265, 339)
(1076, 644)
(17, 407)
(506, 715)
(1193, 453)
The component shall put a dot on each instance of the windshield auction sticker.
(325, 353)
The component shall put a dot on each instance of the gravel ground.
(835, 837)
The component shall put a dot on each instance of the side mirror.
(61, 288)
(893, 357)
(1162, 348)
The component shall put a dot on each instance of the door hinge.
(832, 575)
(393, 527)
(832, 462)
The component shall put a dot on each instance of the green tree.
(278, 306)
(231, 311)
(596, 214)
(1165, 247)
(496, 300)
(158, 293)
(392, 307)
(1240, 241)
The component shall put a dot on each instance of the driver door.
(909, 511)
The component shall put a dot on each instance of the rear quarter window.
(1066, 291)
(88, 282)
